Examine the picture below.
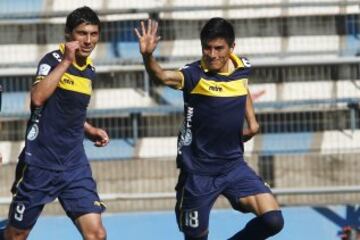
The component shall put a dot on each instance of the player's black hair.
(79, 16)
(217, 28)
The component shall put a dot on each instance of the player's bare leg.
(91, 227)
(260, 203)
(12, 233)
(268, 220)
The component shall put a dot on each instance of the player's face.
(216, 53)
(88, 36)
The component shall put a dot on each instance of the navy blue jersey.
(214, 106)
(55, 131)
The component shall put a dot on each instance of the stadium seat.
(285, 143)
(10, 150)
(21, 6)
(120, 98)
(116, 149)
(264, 92)
(352, 47)
(157, 147)
(15, 103)
(350, 89)
(340, 141)
(170, 96)
(306, 90)
(313, 44)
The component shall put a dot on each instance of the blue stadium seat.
(352, 46)
(126, 50)
(15, 103)
(171, 96)
(21, 6)
(116, 149)
(284, 143)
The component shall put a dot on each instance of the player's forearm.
(155, 71)
(250, 132)
(169, 78)
(46, 87)
(88, 129)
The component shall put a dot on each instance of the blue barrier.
(300, 223)
(116, 149)
(284, 143)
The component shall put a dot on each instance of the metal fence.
(305, 85)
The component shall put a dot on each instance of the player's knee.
(98, 233)
(273, 221)
(12, 233)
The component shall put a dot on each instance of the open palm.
(147, 36)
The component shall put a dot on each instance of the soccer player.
(0, 111)
(210, 144)
(53, 163)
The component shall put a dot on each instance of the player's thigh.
(259, 203)
(195, 197)
(247, 192)
(32, 192)
(80, 196)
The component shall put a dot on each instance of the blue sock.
(261, 227)
(192, 238)
(2, 237)
(3, 224)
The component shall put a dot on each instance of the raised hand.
(148, 38)
(70, 49)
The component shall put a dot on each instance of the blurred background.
(305, 85)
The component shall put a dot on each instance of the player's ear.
(232, 47)
(67, 37)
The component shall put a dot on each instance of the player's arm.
(96, 135)
(43, 89)
(252, 124)
(148, 40)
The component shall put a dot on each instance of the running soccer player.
(0, 111)
(53, 163)
(210, 144)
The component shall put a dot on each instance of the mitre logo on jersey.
(68, 81)
(44, 69)
(215, 88)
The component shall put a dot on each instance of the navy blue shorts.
(75, 189)
(196, 194)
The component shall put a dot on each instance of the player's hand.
(98, 136)
(101, 138)
(70, 50)
(148, 38)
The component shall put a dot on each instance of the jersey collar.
(87, 63)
